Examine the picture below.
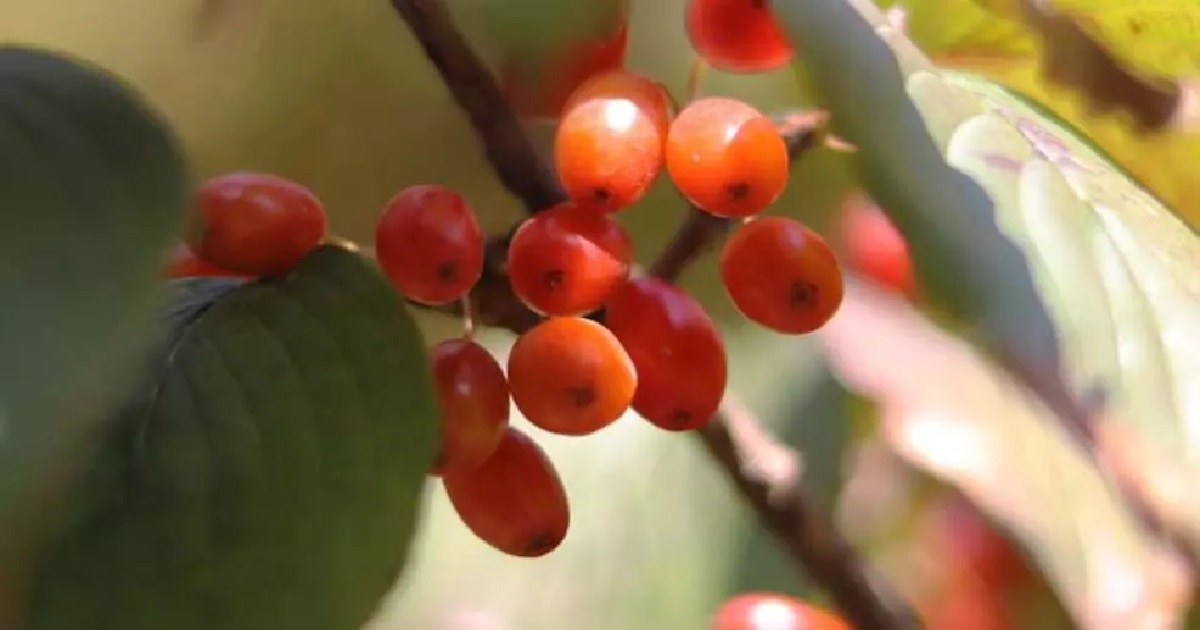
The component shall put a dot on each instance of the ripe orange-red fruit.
(676, 350)
(567, 260)
(515, 500)
(874, 247)
(255, 224)
(184, 263)
(608, 148)
(737, 35)
(781, 274)
(772, 611)
(570, 376)
(429, 244)
(977, 547)
(726, 157)
(543, 91)
(474, 403)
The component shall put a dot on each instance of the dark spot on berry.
(758, 4)
(737, 191)
(582, 396)
(447, 271)
(554, 278)
(681, 417)
(601, 194)
(802, 295)
(540, 545)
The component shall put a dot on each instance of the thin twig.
(764, 471)
(470, 82)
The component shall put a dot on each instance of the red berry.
(474, 402)
(782, 275)
(570, 376)
(184, 263)
(874, 247)
(608, 148)
(567, 261)
(770, 611)
(542, 91)
(675, 348)
(515, 501)
(256, 223)
(737, 35)
(977, 547)
(429, 244)
(726, 157)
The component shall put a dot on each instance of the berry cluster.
(657, 352)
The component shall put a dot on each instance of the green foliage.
(1056, 258)
(270, 477)
(91, 187)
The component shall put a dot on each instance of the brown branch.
(766, 472)
(470, 82)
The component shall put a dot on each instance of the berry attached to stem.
(474, 403)
(676, 349)
(781, 274)
(256, 224)
(726, 157)
(515, 501)
(570, 376)
(567, 260)
(737, 35)
(429, 244)
(608, 148)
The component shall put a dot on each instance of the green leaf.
(273, 476)
(92, 192)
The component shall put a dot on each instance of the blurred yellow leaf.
(964, 34)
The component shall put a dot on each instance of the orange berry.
(737, 35)
(726, 157)
(772, 611)
(781, 274)
(567, 261)
(570, 376)
(429, 244)
(474, 403)
(675, 348)
(608, 148)
(514, 501)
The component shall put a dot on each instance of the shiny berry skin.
(570, 376)
(737, 35)
(255, 224)
(514, 501)
(184, 263)
(608, 148)
(675, 348)
(726, 157)
(429, 244)
(771, 611)
(542, 92)
(874, 247)
(473, 400)
(781, 274)
(567, 260)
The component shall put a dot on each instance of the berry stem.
(752, 459)
(468, 316)
(696, 71)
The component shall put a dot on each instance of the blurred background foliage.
(338, 96)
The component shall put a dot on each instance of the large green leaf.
(272, 476)
(91, 192)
